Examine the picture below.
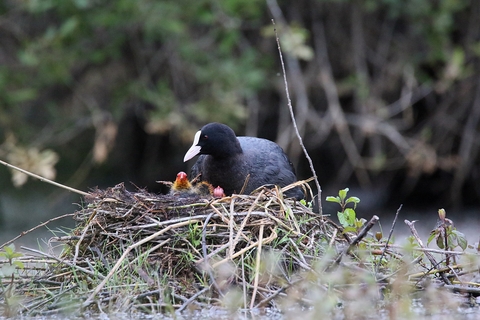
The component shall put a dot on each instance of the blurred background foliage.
(386, 92)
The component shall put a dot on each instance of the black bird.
(228, 161)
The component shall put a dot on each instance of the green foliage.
(10, 254)
(308, 204)
(195, 234)
(347, 216)
(446, 236)
(144, 46)
(9, 275)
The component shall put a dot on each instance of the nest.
(200, 248)
(168, 225)
(137, 251)
(181, 252)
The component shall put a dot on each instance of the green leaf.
(462, 242)
(19, 264)
(452, 240)
(333, 199)
(440, 243)
(360, 223)
(7, 270)
(431, 237)
(8, 251)
(353, 199)
(343, 194)
(458, 233)
(343, 219)
(351, 216)
(16, 255)
(350, 229)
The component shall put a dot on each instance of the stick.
(257, 267)
(94, 274)
(245, 220)
(43, 179)
(276, 293)
(84, 232)
(213, 282)
(425, 249)
(428, 254)
(244, 282)
(192, 298)
(292, 115)
(389, 237)
(34, 228)
(272, 237)
(360, 236)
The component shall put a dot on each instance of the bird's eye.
(205, 137)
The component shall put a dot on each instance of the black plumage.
(226, 161)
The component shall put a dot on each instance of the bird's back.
(263, 161)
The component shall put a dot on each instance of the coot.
(181, 184)
(227, 161)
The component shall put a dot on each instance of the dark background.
(386, 95)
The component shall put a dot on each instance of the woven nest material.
(195, 244)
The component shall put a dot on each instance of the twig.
(205, 256)
(298, 86)
(146, 253)
(214, 252)
(299, 252)
(272, 237)
(191, 299)
(245, 220)
(43, 179)
(276, 293)
(257, 266)
(430, 257)
(34, 228)
(244, 282)
(462, 289)
(360, 236)
(63, 261)
(245, 183)
(166, 222)
(84, 232)
(365, 230)
(292, 115)
(231, 223)
(42, 302)
(473, 268)
(424, 249)
(389, 237)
